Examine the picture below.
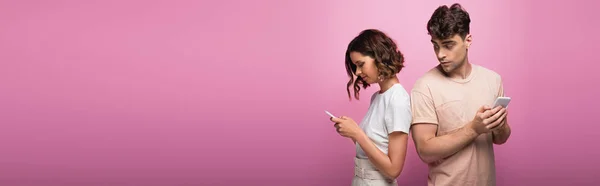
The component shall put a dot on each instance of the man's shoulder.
(488, 72)
(433, 75)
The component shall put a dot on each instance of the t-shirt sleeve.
(500, 88)
(398, 116)
(423, 109)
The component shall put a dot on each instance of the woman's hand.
(347, 127)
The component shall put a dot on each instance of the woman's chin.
(366, 80)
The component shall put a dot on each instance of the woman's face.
(365, 67)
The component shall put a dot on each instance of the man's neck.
(462, 72)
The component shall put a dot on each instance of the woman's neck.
(387, 84)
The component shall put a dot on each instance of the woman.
(381, 139)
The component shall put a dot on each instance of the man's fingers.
(487, 114)
(495, 115)
(497, 109)
(492, 118)
(490, 112)
(498, 122)
(494, 125)
(483, 108)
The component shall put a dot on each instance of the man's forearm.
(500, 136)
(440, 147)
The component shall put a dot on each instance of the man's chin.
(447, 69)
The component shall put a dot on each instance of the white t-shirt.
(388, 112)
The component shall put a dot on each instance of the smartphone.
(502, 101)
(330, 114)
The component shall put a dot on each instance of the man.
(453, 127)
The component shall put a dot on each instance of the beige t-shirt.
(452, 103)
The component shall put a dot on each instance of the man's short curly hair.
(446, 22)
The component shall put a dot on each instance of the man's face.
(451, 52)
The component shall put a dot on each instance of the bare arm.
(501, 135)
(429, 146)
(432, 148)
(390, 165)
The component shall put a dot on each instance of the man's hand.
(500, 121)
(487, 119)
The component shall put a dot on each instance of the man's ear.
(468, 40)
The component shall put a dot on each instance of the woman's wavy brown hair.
(376, 44)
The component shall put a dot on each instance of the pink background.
(233, 92)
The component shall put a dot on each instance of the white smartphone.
(330, 114)
(502, 101)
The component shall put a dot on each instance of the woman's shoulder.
(399, 94)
